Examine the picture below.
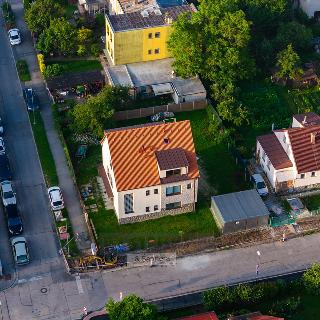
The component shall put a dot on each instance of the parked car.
(31, 99)
(14, 36)
(15, 226)
(5, 171)
(259, 184)
(7, 194)
(2, 146)
(20, 250)
(56, 199)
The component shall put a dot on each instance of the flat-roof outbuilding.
(239, 211)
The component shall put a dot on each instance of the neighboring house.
(94, 6)
(239, 211)
(152, 170)
(203, 316)
(141, 36)
(310, 7)
(254, 316)
(290, 158)
(155, 78)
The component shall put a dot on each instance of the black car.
(31, 99)
(15, 226)
(5, 171)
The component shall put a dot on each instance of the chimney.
(167, 18)
(313, 137)
(304, 120)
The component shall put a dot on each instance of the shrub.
(311, 279)
(244, 294)
(95, 49)
(217, 298)
(81, 50)
(53, 70)
(286, 307)
(42, 65)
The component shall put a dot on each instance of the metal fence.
(314, 212)
(281, 220)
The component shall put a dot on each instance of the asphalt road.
(27, 175)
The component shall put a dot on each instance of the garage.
(239, 211)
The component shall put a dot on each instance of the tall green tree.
(288, 63)
(131, 308)
(93, 115)
(59, 38)
(213, 42)
(39, 14)
(311, 279)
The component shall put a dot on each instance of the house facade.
(310, 7)
(141, 36)
(151, 169)
(290, 158)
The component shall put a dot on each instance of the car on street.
(20, 250)
(5, 171)
(259, 184)
(2, 146)
(31, 99)
(56, 199)
(7, 194)
(14, 36)
(15, 226)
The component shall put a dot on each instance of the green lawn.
(23, 70)
(164, 230)
(312, 202)
(70, 66)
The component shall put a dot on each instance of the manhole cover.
(44, 290)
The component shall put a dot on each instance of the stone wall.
(155, 215)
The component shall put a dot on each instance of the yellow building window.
(157, 35)
(150, 35)
(157, 51)
(149, 51)
(108, 31)
(110, 36)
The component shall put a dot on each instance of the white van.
(259, 185)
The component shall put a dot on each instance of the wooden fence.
(147, 112)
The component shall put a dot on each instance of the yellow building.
(141, 36)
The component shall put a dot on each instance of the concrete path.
(66, 182)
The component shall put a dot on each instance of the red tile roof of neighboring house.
(254, 316)
(133, 151)
(309, 118)
(265, 318)
(273, 149)
(306, 154)
(203, 316)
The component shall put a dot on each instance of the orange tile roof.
(265, 318)
(203, 316)
(133, 150)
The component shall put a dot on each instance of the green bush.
(311, 279)
(95, 49)
(217, 298)
(8, 14)
(53, 70)
(286, 307)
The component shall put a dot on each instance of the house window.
(302, 176)
(150, 35)
(284, 139)
(157, 35)
(263, 156)
(149, 51)
(110, 37)
(147, 209)
(128, 203)
(189, 186)
(173, 190)
(148, 193)
(155, 191)
(156, 51)
(156, 208)
(173, 172)
(268, 165)
(313, 174)
(173, 205)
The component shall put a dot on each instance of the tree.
(40, 13)
(296, 34)
(96, 112)
(311, 279)
(213, 42)
(217, 298)
(288, 63)
(59, 38)
(131, 308)
(84, 40)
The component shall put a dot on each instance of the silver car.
(20, 250)
(7, 194)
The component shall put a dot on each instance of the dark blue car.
(31, 99)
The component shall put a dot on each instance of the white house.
(310, 7)
(290, 157)
(151, 169)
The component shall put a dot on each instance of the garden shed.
(239, 211)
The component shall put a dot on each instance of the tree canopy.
(311, 279)
(93, 115)
(40, 13)
(213, 43)
(288, 63)
(131, 308)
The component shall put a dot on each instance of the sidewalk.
(27, 52)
